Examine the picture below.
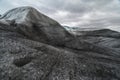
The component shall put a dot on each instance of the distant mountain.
(80, 29)
(77, 30)
(36, 47)
(103, 32)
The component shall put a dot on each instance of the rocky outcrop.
(35, 47)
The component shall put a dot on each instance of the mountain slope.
(35, 25)
(35, 47)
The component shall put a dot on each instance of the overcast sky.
(82, 13)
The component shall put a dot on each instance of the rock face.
(35, 47)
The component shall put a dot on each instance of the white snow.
(27, 15)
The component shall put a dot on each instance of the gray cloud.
(82, 13)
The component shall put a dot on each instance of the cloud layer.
(82, 13)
